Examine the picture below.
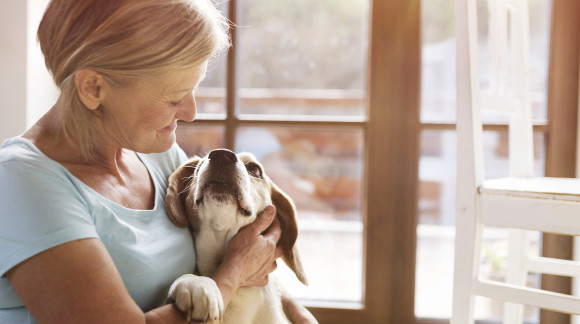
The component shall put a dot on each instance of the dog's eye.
(254, 170)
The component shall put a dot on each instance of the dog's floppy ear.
(286, 213)
(175, 199)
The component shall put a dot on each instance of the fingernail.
(270, 210)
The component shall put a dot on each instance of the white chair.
(520, 202)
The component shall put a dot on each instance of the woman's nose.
(188, 110)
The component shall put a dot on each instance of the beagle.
(216, 196)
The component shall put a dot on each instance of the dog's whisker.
(189, 183)
(186, 189)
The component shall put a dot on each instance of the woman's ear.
(89, 85)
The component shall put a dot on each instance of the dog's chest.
(256, 305)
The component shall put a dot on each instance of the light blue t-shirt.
(43, 205)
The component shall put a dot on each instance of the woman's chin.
(166, 144)
(159, 145)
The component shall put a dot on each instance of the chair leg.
(516, 272)
(468, 251)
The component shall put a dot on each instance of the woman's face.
(143, 117)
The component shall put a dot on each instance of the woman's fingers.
(274, 232)
(268, 225)
(264, 220)
(278, 252)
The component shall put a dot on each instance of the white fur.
(202, 292)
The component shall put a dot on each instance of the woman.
(84, 236)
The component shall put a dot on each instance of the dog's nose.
(223, 156)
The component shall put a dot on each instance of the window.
(300, 70)
(319, 100)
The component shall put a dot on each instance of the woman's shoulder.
(20, 150)
(24, 166)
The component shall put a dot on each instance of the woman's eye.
(180, 101)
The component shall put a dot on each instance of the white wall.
(12, 67)
(41, 92)
(26, 89)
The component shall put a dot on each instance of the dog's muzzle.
(221, 178)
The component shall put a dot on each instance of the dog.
(215, 196)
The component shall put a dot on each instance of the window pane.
(438, 58)
(438, 61)
(303, 57)
(199, 140)
(322, 171)
(210, 96)
(540, 13)
(436, 231)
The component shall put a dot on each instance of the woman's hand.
(250, 256)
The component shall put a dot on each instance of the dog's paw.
(198, 298)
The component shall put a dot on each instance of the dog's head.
(228, 191)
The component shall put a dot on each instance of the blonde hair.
(123, 40)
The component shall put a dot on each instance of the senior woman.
(84, 236)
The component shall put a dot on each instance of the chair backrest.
(509, 86)
(508, 93)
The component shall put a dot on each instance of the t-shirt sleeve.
(40, 208)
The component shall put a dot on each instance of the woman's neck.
(49, 137)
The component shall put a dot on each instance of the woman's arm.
(77, 282)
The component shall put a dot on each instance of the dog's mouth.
(223, 192)
(220, 186)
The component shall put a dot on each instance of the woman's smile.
(170, 128)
